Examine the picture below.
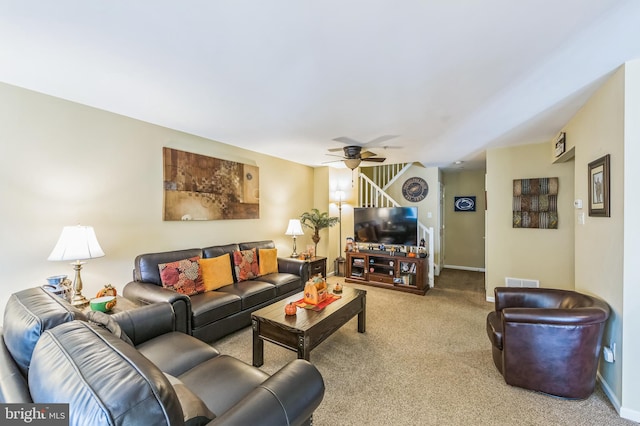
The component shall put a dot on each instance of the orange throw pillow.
(268, 261)
(216, 272)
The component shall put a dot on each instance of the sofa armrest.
(294, 266)
(281, 399)
(146, 322)
(148, 293)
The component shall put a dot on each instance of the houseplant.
(315, 220)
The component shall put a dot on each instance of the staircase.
(372, 193)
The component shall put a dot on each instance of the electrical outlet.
(609, 353)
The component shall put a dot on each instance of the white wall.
(62, 163)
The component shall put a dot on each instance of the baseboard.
(491, 299)
(465, 268)
(625, 413)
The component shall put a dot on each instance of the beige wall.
(597, 130)
(464, 231)
(607, 249)
(541, 254)
(62, 163)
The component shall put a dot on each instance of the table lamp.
(294, 229)
(77, 243)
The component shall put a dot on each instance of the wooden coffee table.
(307, 329)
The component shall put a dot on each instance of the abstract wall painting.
(535, 203)
(197, 187)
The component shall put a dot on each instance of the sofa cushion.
(146, 265)
(246, 264)
(27, 315)
(191, 352)
(268, 261)
(223, 372)
(103, 379)
(283, 282)
(183, 276)
(252, 293)
(194, 410)
(214, 305)
(216, 272)
(265, 244)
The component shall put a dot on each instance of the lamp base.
(79, 301)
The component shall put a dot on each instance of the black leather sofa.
(214, 314)
(547, 340)
(50, 353)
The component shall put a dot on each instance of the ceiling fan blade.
(374, 159)
(380, 139)
(332, 161)
(335, 149)
(347, 140)
(367, 154)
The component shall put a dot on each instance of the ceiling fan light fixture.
(352, 163)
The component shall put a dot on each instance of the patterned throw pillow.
(268, 261)
(216, 272)
(182, 276)
(246, 264)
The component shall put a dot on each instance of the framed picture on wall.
(599, 187)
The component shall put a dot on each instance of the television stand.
(381, 269)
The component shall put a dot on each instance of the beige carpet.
(424, 360)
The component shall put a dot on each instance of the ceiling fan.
(354, 154)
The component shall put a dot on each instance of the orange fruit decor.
(290, 309)
(107, 290)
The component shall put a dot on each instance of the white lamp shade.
(294, 228)
(76, 243)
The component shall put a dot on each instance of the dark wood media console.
(381, 269)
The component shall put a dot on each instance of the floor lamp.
(340, 260)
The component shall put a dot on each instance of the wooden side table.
(318, 265)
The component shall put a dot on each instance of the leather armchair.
(547, 340)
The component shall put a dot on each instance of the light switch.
(580, 218)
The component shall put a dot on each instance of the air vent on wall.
(521, 282)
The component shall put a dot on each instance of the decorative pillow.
(105, 321)
(182, 276)
(216, 272)
(195, 411)
(268, 260)
(246, 264)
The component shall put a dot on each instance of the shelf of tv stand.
(382, 269)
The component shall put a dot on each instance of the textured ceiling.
(448, 78)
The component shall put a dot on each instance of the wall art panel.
(197, 187)
(535, 203)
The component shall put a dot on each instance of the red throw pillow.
(182, 276)
(246, 264)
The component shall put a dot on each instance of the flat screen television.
(386, 225)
